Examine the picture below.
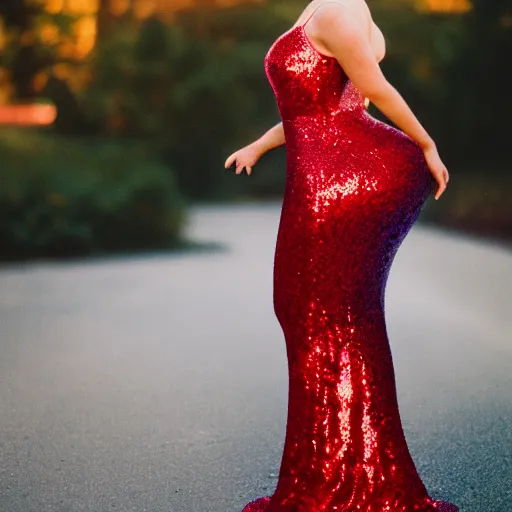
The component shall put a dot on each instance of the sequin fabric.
(354, 188)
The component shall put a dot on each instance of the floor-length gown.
(354, 188)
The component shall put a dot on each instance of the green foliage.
(61, 197)
(475, 203)
(479, 79)
(196, 91)
(24, 54)
(193, 90)
(20, 14)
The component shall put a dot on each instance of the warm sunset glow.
(119, 7)
(2, 35)
(82, 40)
(81, 6)
(86, 10)
(85, 34)
(27, 115)
(49, 34)
(177, 5)
(144, 8)
(54, 6)
(6, 88)
(447, 6)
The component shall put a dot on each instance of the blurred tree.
(62, 197)
(188, 89)
(483, 68)
(20, 13)
(420, 49)
(23, 56)
(29, 55)
(196, 90)
(103, 19)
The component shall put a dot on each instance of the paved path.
(159, 383)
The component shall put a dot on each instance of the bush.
(185, 89)
(477, 204)
(63, 198)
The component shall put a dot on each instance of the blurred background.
(117, 115)
(142, 367)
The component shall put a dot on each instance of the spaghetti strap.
(314, 10)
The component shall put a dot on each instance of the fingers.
(229, 161)
(440, 190)
(442, 179)
(239, 166)
(233, 158)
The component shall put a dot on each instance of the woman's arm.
(271, 139)
(343, 29)
(250, 154)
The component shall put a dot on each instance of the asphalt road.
(158, 383)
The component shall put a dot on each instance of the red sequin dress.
(354, 188)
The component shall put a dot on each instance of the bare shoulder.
(339, 26)
(342, 12)
(340, 23)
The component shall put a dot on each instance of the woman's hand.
(437, 168)
(245, 157)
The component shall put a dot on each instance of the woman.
(354, 188)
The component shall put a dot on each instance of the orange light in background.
(85, 35)
(176, 5)
(6, 87)
(49, 34)
(28, 115)
(54, 6)
(446, 5)
(3, 38)
(144, 9)
(119, 7)
(81, 6)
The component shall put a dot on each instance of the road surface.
(158, 383)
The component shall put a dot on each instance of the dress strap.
(314, 10)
